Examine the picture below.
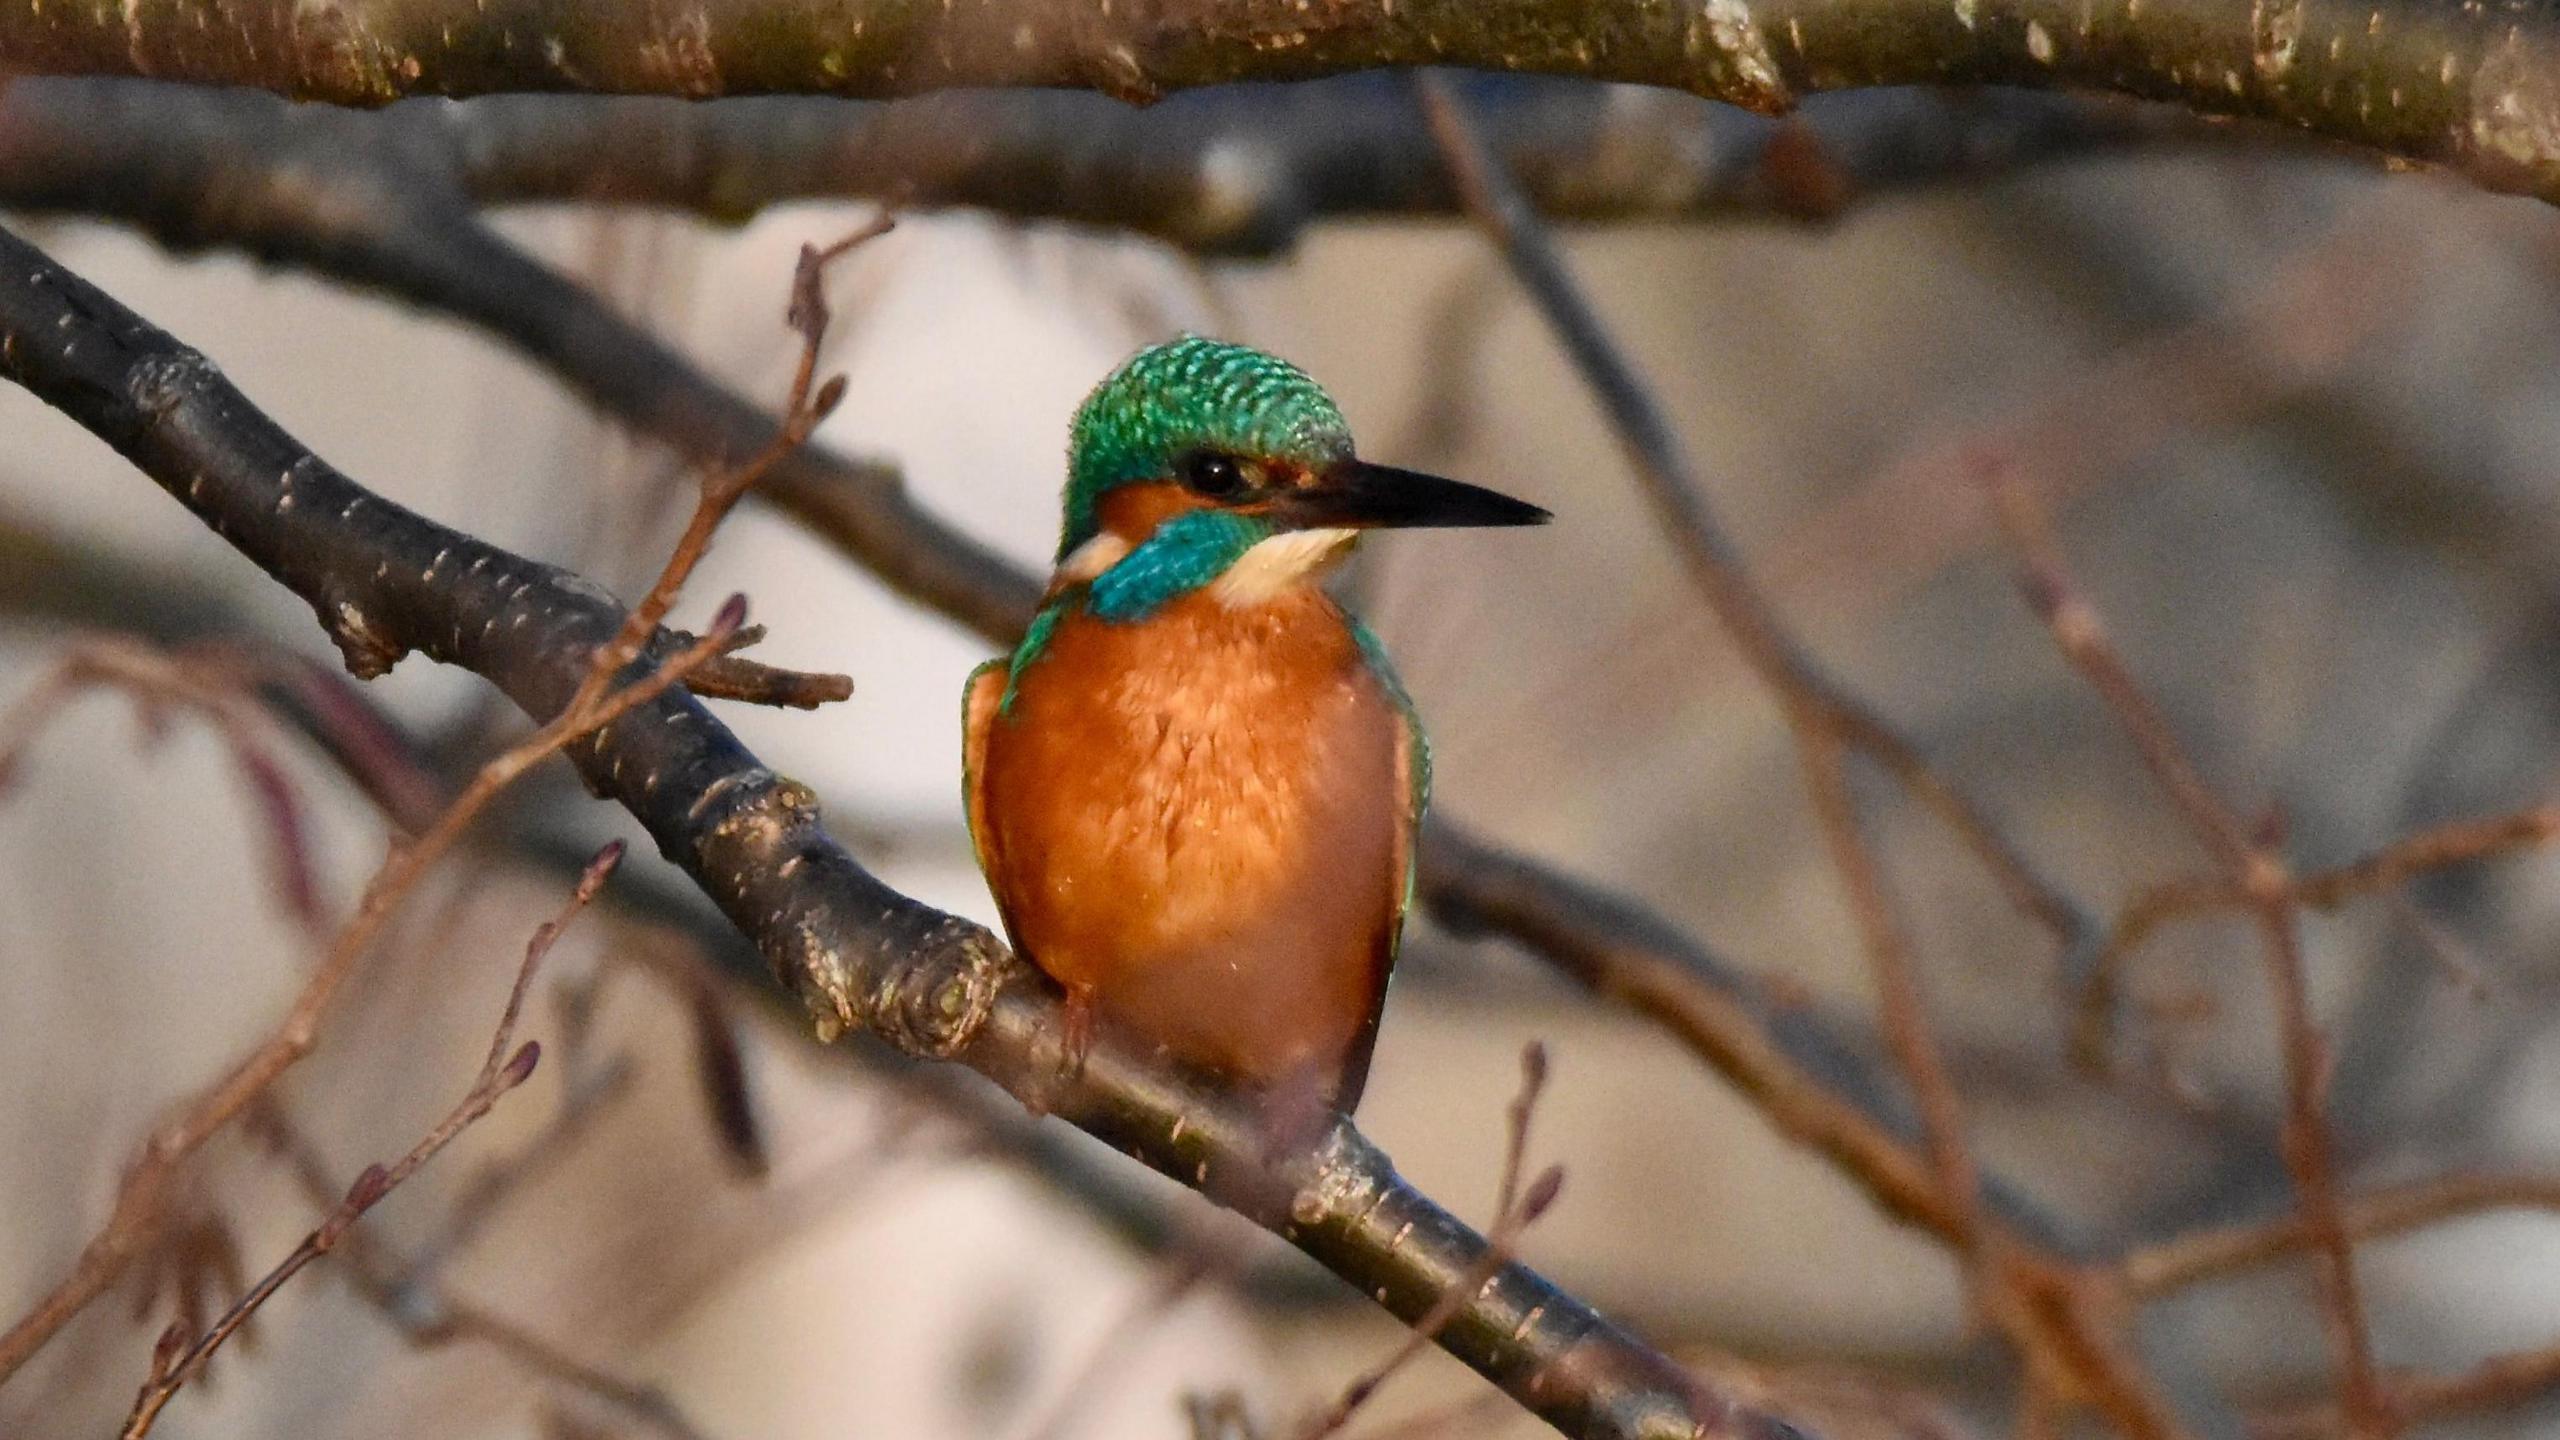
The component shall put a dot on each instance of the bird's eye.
(1212, 474)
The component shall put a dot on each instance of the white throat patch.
(1088, 560)
(1274, 565)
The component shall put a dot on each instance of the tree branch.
(1236, 170)
(2470, 86)
(385, 581)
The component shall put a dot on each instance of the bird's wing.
(980, 700)
(1413, 778)
(1413, 768)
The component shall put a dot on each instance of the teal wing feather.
(1417, 764)
(1415, 773)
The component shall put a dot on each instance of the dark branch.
(1240, 169)
(385, 581)
(2470, 86)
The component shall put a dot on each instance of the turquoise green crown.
(1192, 394)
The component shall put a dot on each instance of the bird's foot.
(1076, 1041)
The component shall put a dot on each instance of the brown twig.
(752, 682)
(1515, 1210)
(139, 1198)
(1499, 207)
(199, 683)
(506, 1066)
(430, 1317)
(2060, 1319)
(588, 1089)
(808, 404)
(591, 708)
(2421, 1397)
(2257, 872)
(2204, 1255)
(2460, 842)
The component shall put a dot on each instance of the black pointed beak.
(1357, 495)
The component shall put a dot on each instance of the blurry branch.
(2467, 86)
(2285, 343)
(142, 1194)
(402, 1290)
(158, 384)
(589, 1087)
(160, 682)
(2206, 1255)
(2419, 1397)
(384, 581)
(180, 1357)
(1243, 169)
(2064, 1326)
(2253, 866)
(1812, 698)
(2458, 843)
(1194, 1260)
(1514, 1210)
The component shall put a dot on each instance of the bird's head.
(1199, 462)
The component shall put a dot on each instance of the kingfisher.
(1196, 786)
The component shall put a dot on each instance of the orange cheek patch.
(1133, 512)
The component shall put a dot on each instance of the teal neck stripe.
(1186, 552)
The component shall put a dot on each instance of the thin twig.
(1827, 723)
(506, 1066)
(2258, 872)
(588, 1090)
(1515, 1210)
(430, 1317)
(159, 681)
(594, 706)
(808, 404)
(2421, 1397)
(2459, 842)
(1499, 207)
(1205, 1252)
(2211, 1254)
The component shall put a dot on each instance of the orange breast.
(1197, 822)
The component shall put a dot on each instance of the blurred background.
(2294, 421)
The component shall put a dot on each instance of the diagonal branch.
(2065, 1326)
(386, 581)
(1808, 692)
(2254, 867)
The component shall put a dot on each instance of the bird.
(1196, 785)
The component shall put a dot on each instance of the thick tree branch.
(2467, 85)
(385, 581)
(1240, 169)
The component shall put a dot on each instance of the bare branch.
(2459, 842)
(2260, 873)
(2205, 1255)
(1513, 1212)
(1586, 151)
(433, 1317)
(1807, 693)
(506, 1067)
(2467, 84)
(2062, 1322)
